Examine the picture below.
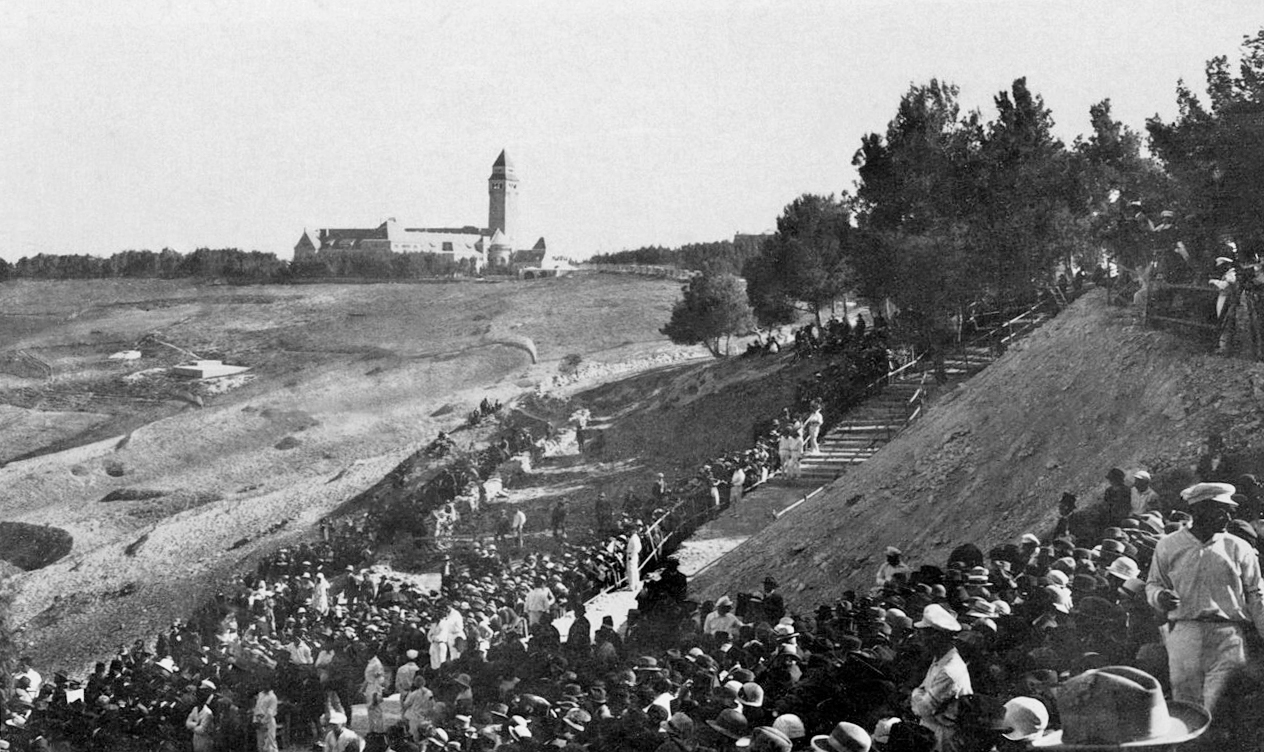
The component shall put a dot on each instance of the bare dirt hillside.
(346, 381)
(1089, 391)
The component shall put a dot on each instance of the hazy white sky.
(186, 124)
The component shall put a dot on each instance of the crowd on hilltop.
(983, 651)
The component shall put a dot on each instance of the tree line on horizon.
(952, 209)
(229, 263)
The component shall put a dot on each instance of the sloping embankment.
(1089, 391)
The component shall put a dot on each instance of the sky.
(239, 124)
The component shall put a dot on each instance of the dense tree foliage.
(1216, 152)
(712, 309)
(720, 257)
(953, 209)
(806, 264)
(234, 265)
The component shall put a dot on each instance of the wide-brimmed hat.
(1124, 568)
(438, 736)
(980, 608)
(1026, 718)
(577, 718)
(1221, 493)
(679, 725)
(769, 739)
(751, 694)
(791, 725)
(936, 616)
(731, 724)
(846, 737)
(1120, 707)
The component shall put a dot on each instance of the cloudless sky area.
(237, 124)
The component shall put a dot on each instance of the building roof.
(539, 244)
(503, 167)
(499, 239)
(348, 238)
(305, 242)
(533, 257)
(466, 230)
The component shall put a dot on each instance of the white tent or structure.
(207, 369)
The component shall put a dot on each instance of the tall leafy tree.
(918, 191)
(1215, 150)
(1127, 197)
(1025, 187)
(805, 265)
(712, 309)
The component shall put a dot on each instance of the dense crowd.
(967, 655)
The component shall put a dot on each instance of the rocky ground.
(166, 500)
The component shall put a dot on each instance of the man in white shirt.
(340, 738)
(518, 526)
(25, 669)
(633, 559)
(1144, 498)
(935, 701)
(300, 653)
(891, 567)
(1208, 583)
(722, 619)
(539, 600)
(737, 483)
(405, 673)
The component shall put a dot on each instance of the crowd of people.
(983, 651)
(1126, 624)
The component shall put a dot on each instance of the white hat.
(338, 718)
(1029, 538)
(936, 616)
(1025, 718)
(1124, 568)
(1218, 492)
(723, 601)
(893, 551)
(790, 725)
(1058, 577)
(412, 655)
(1141, 475)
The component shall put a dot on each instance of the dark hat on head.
(845, 737)
(769, 739)
(731, 724)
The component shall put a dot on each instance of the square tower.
(502, 191)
